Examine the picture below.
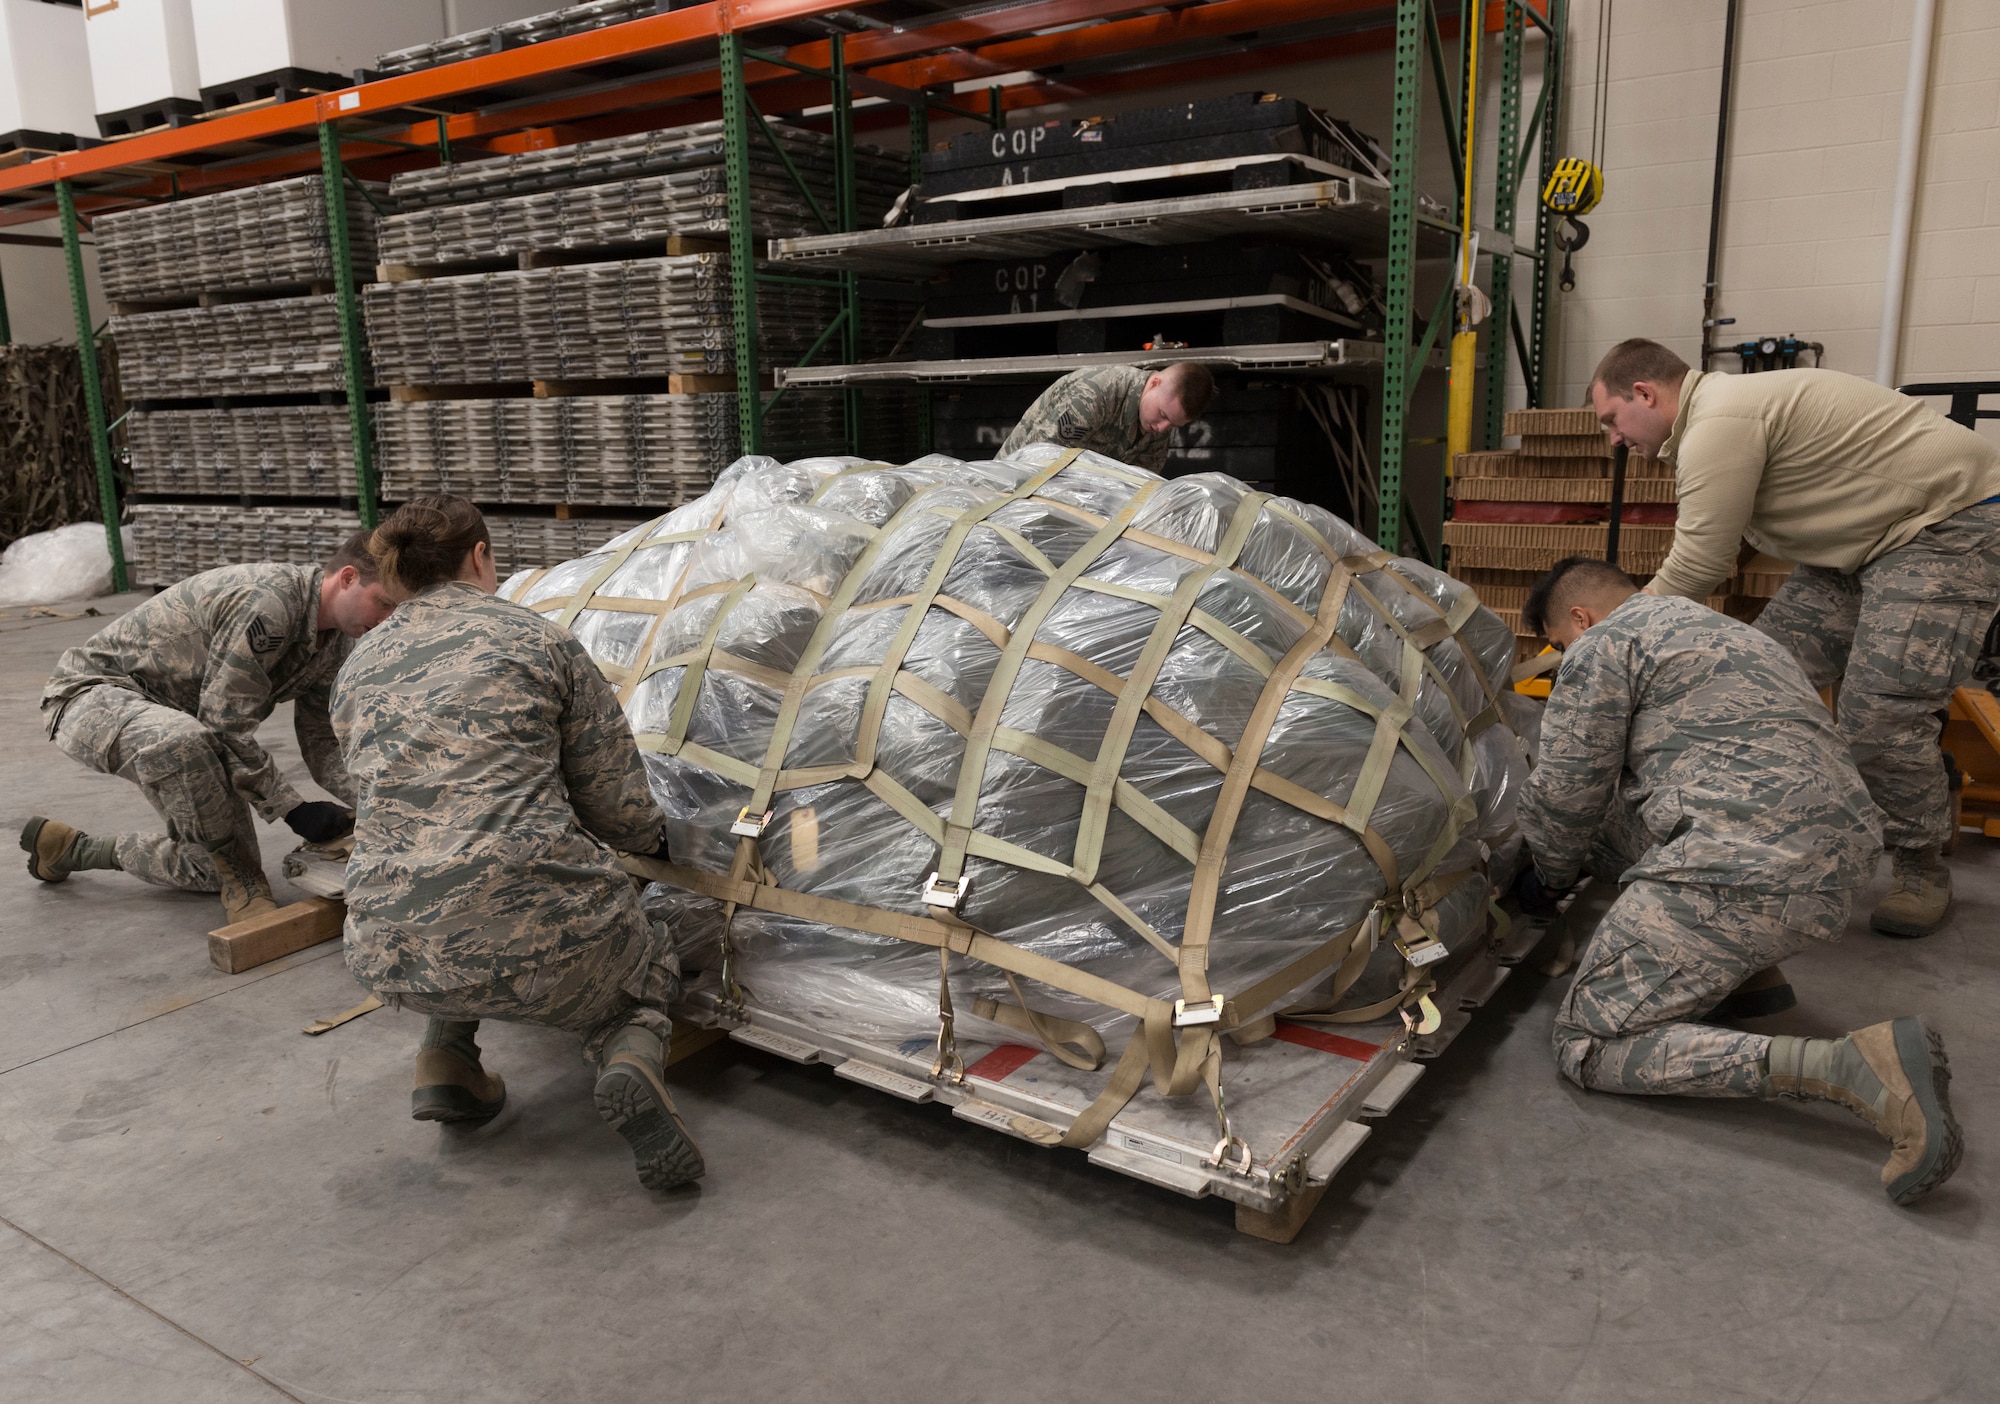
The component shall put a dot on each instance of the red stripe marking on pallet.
(1003, 1062)
(1326, 1042)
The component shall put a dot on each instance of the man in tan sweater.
(1893, 515)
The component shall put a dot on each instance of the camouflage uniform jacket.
(494, 768)
(1710, 732)
(226, 647)
(1097, 409)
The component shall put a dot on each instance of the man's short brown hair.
(354, 552)
(1635, 360)
(1191, 385)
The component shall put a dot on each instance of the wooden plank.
(414, 394)
(245, 945)
(644, 385)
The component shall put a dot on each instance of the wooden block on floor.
(244, 945)
(1287, 1223)
(690, 1039)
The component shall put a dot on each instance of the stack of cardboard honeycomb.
(1519, 512)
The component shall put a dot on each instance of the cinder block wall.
(1806, 213)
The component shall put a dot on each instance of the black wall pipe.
(1708, 347)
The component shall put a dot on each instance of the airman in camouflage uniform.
(1899, 636)
(496, 773)
(1122, 412)
(170, 695)
(1675, 727)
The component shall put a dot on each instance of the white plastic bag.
(69, 563)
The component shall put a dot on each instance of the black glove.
(320, 821)
(1534, 897)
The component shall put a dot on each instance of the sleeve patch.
(263, 638)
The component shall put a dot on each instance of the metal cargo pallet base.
(1300, 1099)
(1360, 361)
(1328, 210)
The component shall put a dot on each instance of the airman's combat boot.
(1917, 904)
(632, 1098)
(55, 850)
(244, 894)
(1896, 1077)
(451, 1084)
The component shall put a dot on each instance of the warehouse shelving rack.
(699, 63)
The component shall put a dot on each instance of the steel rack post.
(6, 324)
(847, 217)
(93, 389)
(1400, 291)
(920, 142)
(353, 349)
(742, 248)
(1540, 331)
(1506, 194)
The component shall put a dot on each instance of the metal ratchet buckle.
(940, 892)
(1206, 1011)
(1422, 951)
(1240, 1162)
(750, 825)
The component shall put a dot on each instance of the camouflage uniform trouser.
(628, 977)
(1665, 954)
(180, 766)
(1898, 635)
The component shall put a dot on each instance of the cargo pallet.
(1300, 1100)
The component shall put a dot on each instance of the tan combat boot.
(631, 1096)
(1896, 1077)
(244, 894)
(451, 1083)
(55, 850)
(1917, 904)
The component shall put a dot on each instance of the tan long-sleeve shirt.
(1813, 466)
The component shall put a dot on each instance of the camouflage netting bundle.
(1115, 740)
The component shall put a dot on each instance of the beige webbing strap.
(885, 674)
(972, 767)
(922, 931)
(604, 572)
(683, 712)
(1206, 885)
(1092, 1122)
(1068, 1040)
(1138, 686)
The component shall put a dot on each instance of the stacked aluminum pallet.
(173, 540)
(879, 176)
(535, 29)
(686, 203)
(610, 450)
(170, 541)
(529, 543)
(263, 451)
(633, 318)
(260, 237)
(289, 345)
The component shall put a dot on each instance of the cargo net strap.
(1181, 1055)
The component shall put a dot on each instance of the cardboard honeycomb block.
(1551, 421)
(1592, 490)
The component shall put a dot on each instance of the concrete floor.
(199, 1204)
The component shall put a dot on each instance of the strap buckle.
(1231, 1153)
(942, 892)
(750, 825)
(1423, 950)
(1205, 1011)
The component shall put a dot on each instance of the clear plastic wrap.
(1075, 801)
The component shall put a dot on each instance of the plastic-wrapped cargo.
(1150, 760)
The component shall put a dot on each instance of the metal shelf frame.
(699, 63)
